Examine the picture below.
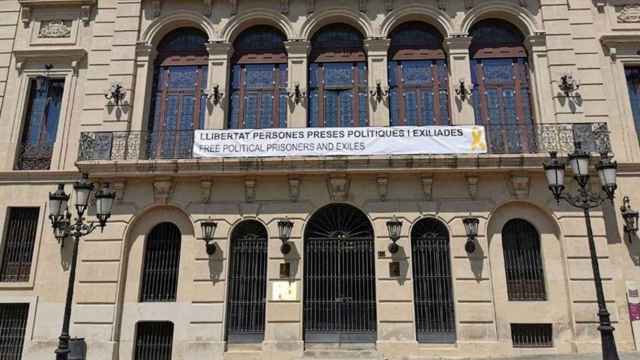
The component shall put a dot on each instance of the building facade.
(146, 288)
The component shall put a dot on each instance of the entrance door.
(339, 277)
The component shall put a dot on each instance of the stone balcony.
(170, 153)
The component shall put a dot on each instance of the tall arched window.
(247, 283)
(432, 285)
(338, 78)
(418, 76)
(178, 98)
(161, 264)
(523, 261)
(501, 91)
(259, 80)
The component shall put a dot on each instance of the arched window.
(418, 76)
(178, 99)
(338, 78)
(259, 80)
(247, 283)
(522, 261)
(432, 285)
(501, 91)
(161, 264)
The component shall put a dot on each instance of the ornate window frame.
(30, 64)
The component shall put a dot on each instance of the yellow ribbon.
(477, 140)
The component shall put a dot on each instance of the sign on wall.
(284, 290)
(400, 140)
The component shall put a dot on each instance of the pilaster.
(377, 49)
(298, 58)
(219, 69)
(457, 48)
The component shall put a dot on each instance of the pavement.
(598, 356)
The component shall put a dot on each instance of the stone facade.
(94, 43)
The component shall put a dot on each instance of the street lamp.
(208, 229)
(394, 226)
(471, 228)
(629, 216)
(62, 228)
(284, 232)
(587, 200)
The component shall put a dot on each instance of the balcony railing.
(34, 156)
(501, 139)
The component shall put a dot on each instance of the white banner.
(400, 140)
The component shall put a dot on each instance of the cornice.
(73, 55)
(85, 7)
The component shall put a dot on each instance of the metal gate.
(247, 283)
(339, 277)
(434, 307)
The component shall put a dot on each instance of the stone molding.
(427, 187)
(162, 190)
(72, 56)
(294, 189)
(338, 186)
(382, 182)
(28, 5)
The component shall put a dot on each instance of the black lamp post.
(208, 229)
(586, 200)
(471, 228)
(284, 232)
(394, 226)
(629, 216)
(62, 228)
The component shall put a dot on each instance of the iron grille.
(523, 262)
(154, 340)
(531, 335)
(432, 285)
(13, 323)
(161, 264)
(339, 277)
(19, 241)
(247, 283)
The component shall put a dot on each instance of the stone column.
(377, 49)
(457, 48)
(219, 75)
(298, 63)
(145, 54)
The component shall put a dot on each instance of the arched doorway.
(432, 285)
(247, 292)
(339, 277)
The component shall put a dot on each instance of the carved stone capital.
(205, 190)
(536, 42)
(427, 187)
(294, 189)
(383, 187)
(338, 186)
(458, 42)
(162, 190)
(519, 185)
(249, 190)
(472, 186)
(219, 49)
(297, 47)
(377, 45)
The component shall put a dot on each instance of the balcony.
(509, 146)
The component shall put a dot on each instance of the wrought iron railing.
(501, 139)
(34, 156)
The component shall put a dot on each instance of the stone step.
(340, 354)
(623, 356)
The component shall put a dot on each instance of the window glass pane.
(633, 84)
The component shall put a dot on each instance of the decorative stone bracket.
(249, 190)
(119, 187)
(427, 187)
(383, 187)
(472, 186)
(294, 189)
(338, 187)
(205, 190)
(162, 190)
(156, 8)
(519, 185)
(26, 12)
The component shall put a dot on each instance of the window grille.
(418, 76)
(247, 283)
(41, 124)
(434, 305)
(501, 93)
(523, 261)
(154, 340)
(531, 335)
(161, 264)
(259, 80)
(13, 323)
(18, 244)
(338, 89)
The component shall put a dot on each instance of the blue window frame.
(338, 78)
(418, 76)
(41, 125)
(259, 80)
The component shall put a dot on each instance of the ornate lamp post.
(394, 226)
(471, 228)
(284, 233)
(587, 200)
(208, 229)
(62, 228)
(629, 216)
